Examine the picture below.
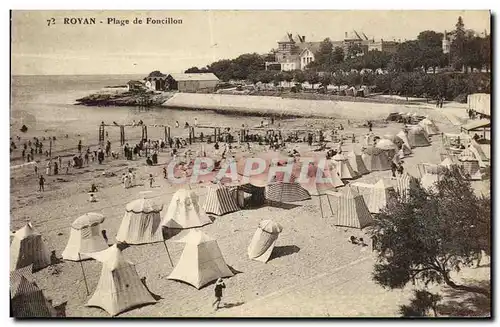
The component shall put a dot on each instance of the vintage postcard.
(250, 164)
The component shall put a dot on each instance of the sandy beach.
(311, 253)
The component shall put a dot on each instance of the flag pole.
(83, 272)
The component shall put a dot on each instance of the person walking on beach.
(80, 146)
(48, 167)
(68, 166)
(176, 124)
(36, 169)
(151, 180)
(56, 168)
(219, 285)
(41, 183)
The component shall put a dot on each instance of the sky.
(203, 36)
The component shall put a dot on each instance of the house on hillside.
(192, 82)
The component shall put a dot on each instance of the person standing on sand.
(151, 180)
(56, 168)
(41, 182)
(219, 285)
(36, 169)
(176, 124)
(48, 167)
(80, 146)
(68, 166)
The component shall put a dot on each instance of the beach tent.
(429, 127)
(351, 210)
(85, 237)
(417, 137)
(388, 147)
(26, 298)
(119, 288)
(477, 147)
(357, 164)
(219, 200)
(375, 159)
(141, 222)
(404, 183)
(319, 177)
(448, 163)
(284, 186)
(381, 193)
(184, 211)
(403, 135)
(28, 248)
(471, 166)
(201, 261)
(400, 143)
(343, 167)
(264, 240)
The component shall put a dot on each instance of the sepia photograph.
(250, 164)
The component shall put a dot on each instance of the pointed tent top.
(23, 286)
(25, 231)
(447, 162)
(416, 129)
(195, 237)
(88, 219)
(144, 205)
(111, 258)
(270, 227)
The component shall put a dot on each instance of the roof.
(88, 219)
(194, 77)
(144, 206)
(285, 39)
(476, 124)
(312, 46)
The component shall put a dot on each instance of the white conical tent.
(404, 183)
(264, 240)
(376, 159)
(343, 167)
(448, 163)
(201, 261)
(85, 237)
(28, 248)
(219, 200)
(417, 137)
(119, 288)
(184, 211)
(318, 177)
(357, 163)
(141, 222)
(381, 192)
(429, 127)
(430, 175)
(478, 150)
(26, 298)
(351, 210)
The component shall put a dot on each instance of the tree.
(422, 302)
(324, 56)
(325, 79)
(407, 57)
(312, 78)
(287, 77)
(354, 50)
(277, 78)
(222, 69)
(299, 76)
(338, 55)
(156, 73)
(430, 233)
(196, 70)
(430, 39)
(458, 44)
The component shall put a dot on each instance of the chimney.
(304, 38)
(346, 35)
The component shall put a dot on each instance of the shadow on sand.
(458, 303)
(281, 251)
(231, 305)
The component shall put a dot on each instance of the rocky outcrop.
(143, 99)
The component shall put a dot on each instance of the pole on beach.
(83, 273)
(166, 248)
(50, 148)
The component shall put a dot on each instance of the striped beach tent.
(404, 183)
(201, 260)
(219, 200)
(357, 163)
(119, 288)
(343, 167)
(28, 248)
(85, 236)
(141, 222)
(471, 166)
(184, 211)
(351, 210)
(318, 178)
(264, 240)
(26, 298)
(381, 193)
(286, 192)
